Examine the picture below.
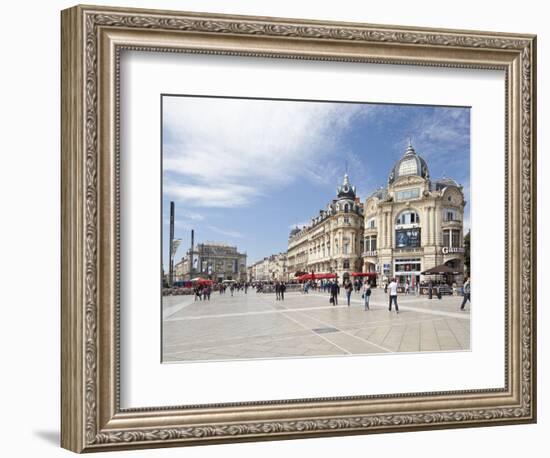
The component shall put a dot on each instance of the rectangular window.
(450, 214)
(446, 239)
(370, 243)
(346, 263)
(407, 265)
(407, 194)
(456, 239)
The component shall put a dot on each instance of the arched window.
(371, 223)
(346, 208)
(408, 217)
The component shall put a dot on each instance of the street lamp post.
(173, 246)
(171, 242)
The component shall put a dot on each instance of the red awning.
(364, 274)
(202, 281)
(314, 276)
(325, 276)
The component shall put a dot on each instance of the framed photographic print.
(278, 228)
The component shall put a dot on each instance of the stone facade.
(332, 241)
(214, 260)
(413, 224)
(270, 268)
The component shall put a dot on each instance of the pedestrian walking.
(466, 293)
(282, 288)
(198, 293)
(349, 289)
(334, 293)
(277, 291)
(366, 295)
(392, 287)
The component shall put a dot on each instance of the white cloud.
(193, 216)
(228, 152)
(226, 232)
(215, 195)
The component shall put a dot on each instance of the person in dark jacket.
(198, 293)
(282, 289)
(466, 289)
(349, 289)
(334, 293)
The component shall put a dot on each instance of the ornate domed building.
(332, 241)
(413, 224)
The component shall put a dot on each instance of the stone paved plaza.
(255, 325)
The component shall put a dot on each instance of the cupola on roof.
(346, 190)
(410, 164)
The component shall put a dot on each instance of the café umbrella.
(440, 270)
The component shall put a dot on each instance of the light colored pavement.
(251, 326)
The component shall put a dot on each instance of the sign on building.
(405, 238)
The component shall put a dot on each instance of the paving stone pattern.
(252, 326)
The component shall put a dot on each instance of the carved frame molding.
(92, 39)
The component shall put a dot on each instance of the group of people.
(202, 292)
(349, 287)
(234, 287)
(280, 288)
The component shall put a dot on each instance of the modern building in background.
(332, 241)
(414, 224)
(214, 260)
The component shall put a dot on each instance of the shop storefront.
(407, 271)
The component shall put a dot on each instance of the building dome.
(346, 190)
(410, 164)
(445, 182)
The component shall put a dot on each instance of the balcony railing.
(417, 249)
(452, 220)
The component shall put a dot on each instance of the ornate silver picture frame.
(93, 40)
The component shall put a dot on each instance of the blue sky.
(245, 171)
